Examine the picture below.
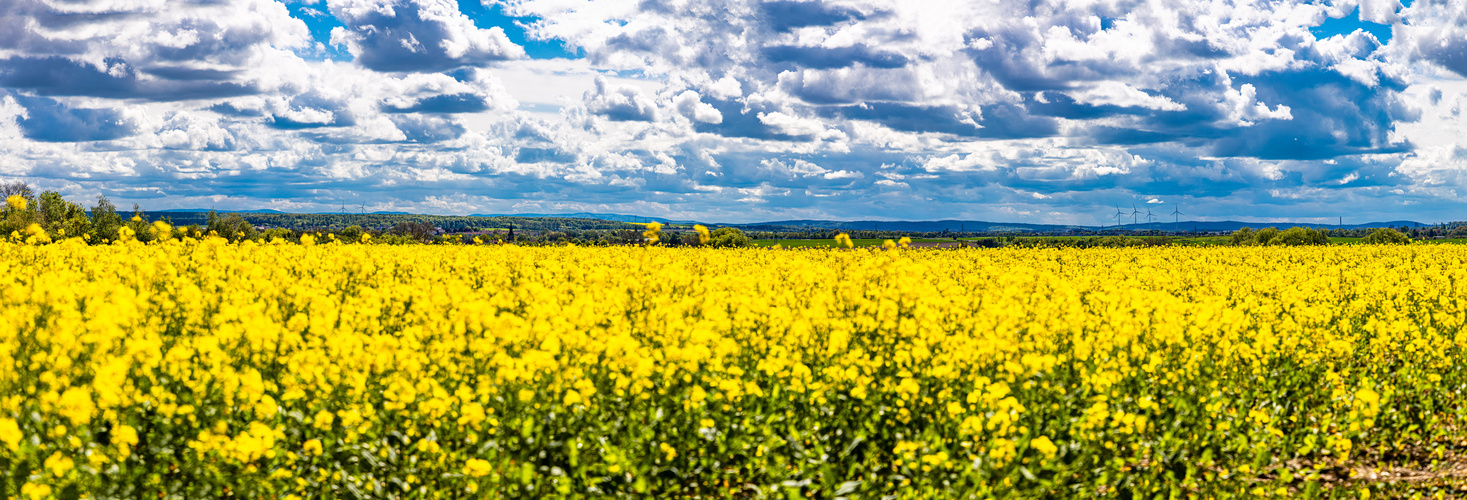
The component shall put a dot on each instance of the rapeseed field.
(194, 368)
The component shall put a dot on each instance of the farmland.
(197, 368)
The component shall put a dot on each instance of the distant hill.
(1232, 225)
(1001, 227)
(206, 210)
(587, 215)
(914, 226)
(269, 211)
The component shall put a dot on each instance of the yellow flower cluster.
(844, 240)
(189, 368)
(652, 232)
(703, 234)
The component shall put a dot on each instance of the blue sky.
(744, 110)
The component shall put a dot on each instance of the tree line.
(48, 216)
(1296, 236)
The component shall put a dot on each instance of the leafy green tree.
(51, 210)
(279, 233)
(421, 231)
(1243, 237)
(232, 227)
(243, 230)
(62, 218)
(1300, 236)
(105, 221)
(1266, 235)
(139, 224)
(352, 234)
(1385, 236)
(15, 218)
(729, 237)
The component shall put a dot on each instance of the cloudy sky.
(745, 110)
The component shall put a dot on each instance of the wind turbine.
(1176, 216)
(1135, 213)
(1118, 216)
(1150, 219)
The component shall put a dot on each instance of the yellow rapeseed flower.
(36, 491)
(476, 467)
(59, 464)
(969, 364)
(323, 420)
(76, 405)
(652, 233)
(162, 230)
(124, 437)
(844, 240)
(1044, 446)
(10, 434)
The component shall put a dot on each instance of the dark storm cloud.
(787, 15)
(537, 155)
(51, 121)
(59, 76)
(840, 57)
(447, 103)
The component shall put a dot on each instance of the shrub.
(105, 221)
(1266, 235)
(1300, 236)
(420, 231)
(231, 227)
(1385, 236)
(352, 234)
(1272, 236)
(278, 233)
(1243, 237)
(729, 237)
